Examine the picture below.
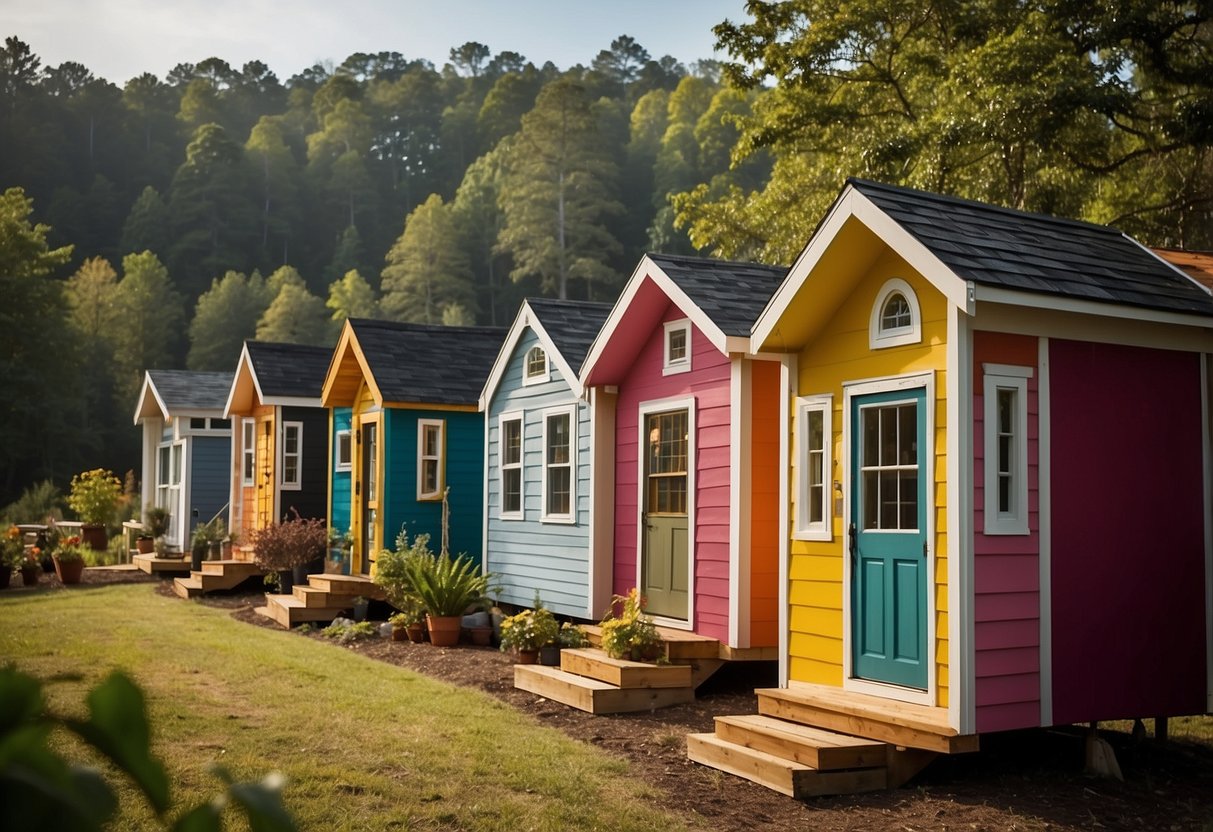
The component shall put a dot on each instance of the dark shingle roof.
(428, 364)
(1037, 253)
(191, 390)
(571, 324)
(296, 370)
(732, 294)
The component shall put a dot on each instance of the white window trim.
(297, 484)
(185, 428)
(248, 452)
(538, 378)
(519, 417)
(571, 516)
(879, 339)
(1004, 377)
(348, 465)
(681, 365)
(422, 424)
(806, 530)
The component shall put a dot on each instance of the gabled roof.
(1197, 265)
(411, 363)
(566, 328)
(722, 298)
(168, 393)
(972, 253)
(278, 374)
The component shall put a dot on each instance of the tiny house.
(280, 441)
(417, 433)
(186, 448)
(695, 451)
(544, 525)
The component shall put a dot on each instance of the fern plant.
(447, 586)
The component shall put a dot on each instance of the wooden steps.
(592, 695)
(214, 575)
(595, 664)
(322, 598)
(814, 740)
(153, 565)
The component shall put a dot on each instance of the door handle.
(851, 543)
(924, 549)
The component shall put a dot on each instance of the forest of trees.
(160, 223)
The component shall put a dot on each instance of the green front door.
(665, 567)
(887, 538)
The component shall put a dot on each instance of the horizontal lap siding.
(339, 517)
(311, 500)
(840, 354)
(764, 503)
(1006, 568)
(528, 555)
(209, 478)
(708, 382)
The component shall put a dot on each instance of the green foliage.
(226, 315)
(344, 632)
(529, 629)
(12, 549)
(393, 571)
(156, 521)
(352, 297)
(71, 550)
(630, 634)
(295, 316)
(42, 788)
(427, 269)
(94, 496)
(212, 531)
(572, 636)
(150, 310)
(445, 585)
(36, 503)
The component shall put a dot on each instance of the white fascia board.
(521, 321)
(570, 377)
(149, 387)
(245, 362)
(1189, 278)
(1036, 300)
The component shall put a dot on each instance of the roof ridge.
(714, 260)
(570, 301)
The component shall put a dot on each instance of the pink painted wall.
(1006, 568)
(1127, 550)
(708, 382)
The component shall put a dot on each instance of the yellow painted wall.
(263, 479)
(840, 353)
(365, 411)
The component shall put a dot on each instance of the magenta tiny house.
(694, 462)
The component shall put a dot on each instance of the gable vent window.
(536, 366)
(896, 317)
(677, 352)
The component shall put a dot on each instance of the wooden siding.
(1006, 568)
(464, 473)
(526, 555)
(312, 497)
(263, 476)
(341, 489)
(210, 472)
(365, 411)
(708, 382)
(764, 503)
(838, 354)
(1127, 545)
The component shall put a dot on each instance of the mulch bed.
(1027, 780)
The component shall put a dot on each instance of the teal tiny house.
(542, 516)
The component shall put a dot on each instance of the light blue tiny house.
(543, 520)
(187, 448)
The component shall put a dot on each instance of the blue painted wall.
(528, 555)
(340, 518)
(210, 469)
(464, 476)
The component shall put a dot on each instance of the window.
(896, 319)
(558, 442)
(197, 423)
(1006, 449)
(248, 450)
(292, 455)
(204, 423)
(889, 455)
(536, 370)
(510, 441)
(677, 352)
(815, 465)
(221, 424)
(175, 478)
(345, 451)
(429, 459)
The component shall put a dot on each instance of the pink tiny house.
(695, 464)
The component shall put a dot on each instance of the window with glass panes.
(558, 465)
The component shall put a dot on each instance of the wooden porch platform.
(153, 565)
(812, 740)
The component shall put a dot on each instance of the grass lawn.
(363, 745)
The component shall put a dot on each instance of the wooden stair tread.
(592, 695)
(782, 775)
(679, 644)
(907, 714)
(804, 744)
(153, 565)
(225, 567)
(593, 663)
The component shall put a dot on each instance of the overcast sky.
(119, 39)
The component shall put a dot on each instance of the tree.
(623, 62)
(276, 175)
(225, 316)
(151, 314)
(90, 295)
(352, 297)
(347, 256)
(427, 268)
(470, 58)
(559, 188)
(478, 219)
(147, 225)
(296, 316)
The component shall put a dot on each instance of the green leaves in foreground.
(41, 789)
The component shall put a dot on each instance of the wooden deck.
(153, 565)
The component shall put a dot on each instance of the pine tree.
(151, 314)
(351, 297)
(295, 316)
(225, 316)
(427, 268)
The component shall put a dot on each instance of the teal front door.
(887, 537)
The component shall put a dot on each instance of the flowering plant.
(631, 634)
(529, 630)
(12, 548)
(31, 559)
(95, 495)
(69, 550)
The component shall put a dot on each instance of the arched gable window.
(896, 317)
(536, 369)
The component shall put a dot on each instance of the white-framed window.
(345, 451)
(431, 447)
(559, 465)
(509, 441)
(896, 317)
(248, 450)
(676, 353)
(815, 465)
(204, 424)
(1005, 394)
(535, 366)
(292, 456)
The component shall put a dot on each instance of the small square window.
(345, 451)
(677, 348)
(197, 423)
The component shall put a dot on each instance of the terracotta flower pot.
(94, 535)
(444, 629)
(145, 545)
(481, 636)
(416, 632)
(399, 634)
(528, 656)
(69, 573)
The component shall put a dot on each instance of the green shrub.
(344, 633)
(36, 503)
(631, 634)
(95, 495)
(529, 629)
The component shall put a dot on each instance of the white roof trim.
(148, 386)
(1169, 265)
(648, 268)
(244, 361)
(526, 318)
(1038, 300)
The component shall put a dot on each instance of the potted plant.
(447, 587)
(631, 634)
(361, 606)
(155, 526)
(205, 535)
(229, 544)
(408, 621)
(528, 631)
(12, 553)
(30, 566)
(69, 559)
(282, 547)
(94, 497)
